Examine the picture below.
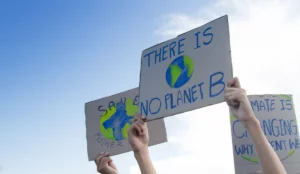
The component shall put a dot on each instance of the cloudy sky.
(56, 55)
(265, 53)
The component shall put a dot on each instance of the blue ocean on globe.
(118, 121)
(179, 71)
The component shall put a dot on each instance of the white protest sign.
(278, 121)
(187, 72)
(108, 120)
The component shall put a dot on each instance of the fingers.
(233, 91)
(104, 165)
(139, 125)
(140, 117)
(106, 160)
(100, 157)
(141, 120)
(111, 164)
(229, 83)
(237, 83)
(136, 128)
(228, 90)
(234, 83)
(231, 98)
(102, 161)
(234, 96)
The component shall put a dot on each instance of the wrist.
(252, 123)
(144, 161)
(141, 153)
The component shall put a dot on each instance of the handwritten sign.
(108, 120)
(278, 121)
(187, 72)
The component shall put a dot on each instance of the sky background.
(56, 55)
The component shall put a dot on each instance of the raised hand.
(138, 138)
(138, 134)
(105, 164)
(238, 102)
(239, 106)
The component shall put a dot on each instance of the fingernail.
(101, 153)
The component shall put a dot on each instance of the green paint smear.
(232, 118)
(175, 73)
(285, 96)
(188, 62)
(125, 131)
(291, 152)
(254, 160)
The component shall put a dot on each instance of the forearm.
(269, 160)
(144, 162)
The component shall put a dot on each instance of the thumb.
(237, 83)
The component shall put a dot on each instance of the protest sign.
(108, 120)
(278, 121)
(187, 72)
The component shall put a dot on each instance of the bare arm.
(239, 106)
(145, 162)
(138, 137)
(269, 160)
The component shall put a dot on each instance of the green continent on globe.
(188, 62)
(175, 72)
(131, 110)
(107, 133)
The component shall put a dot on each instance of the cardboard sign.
(187, 72)
(278, 121)
(108, 120)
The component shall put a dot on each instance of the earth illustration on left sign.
(115, 123)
